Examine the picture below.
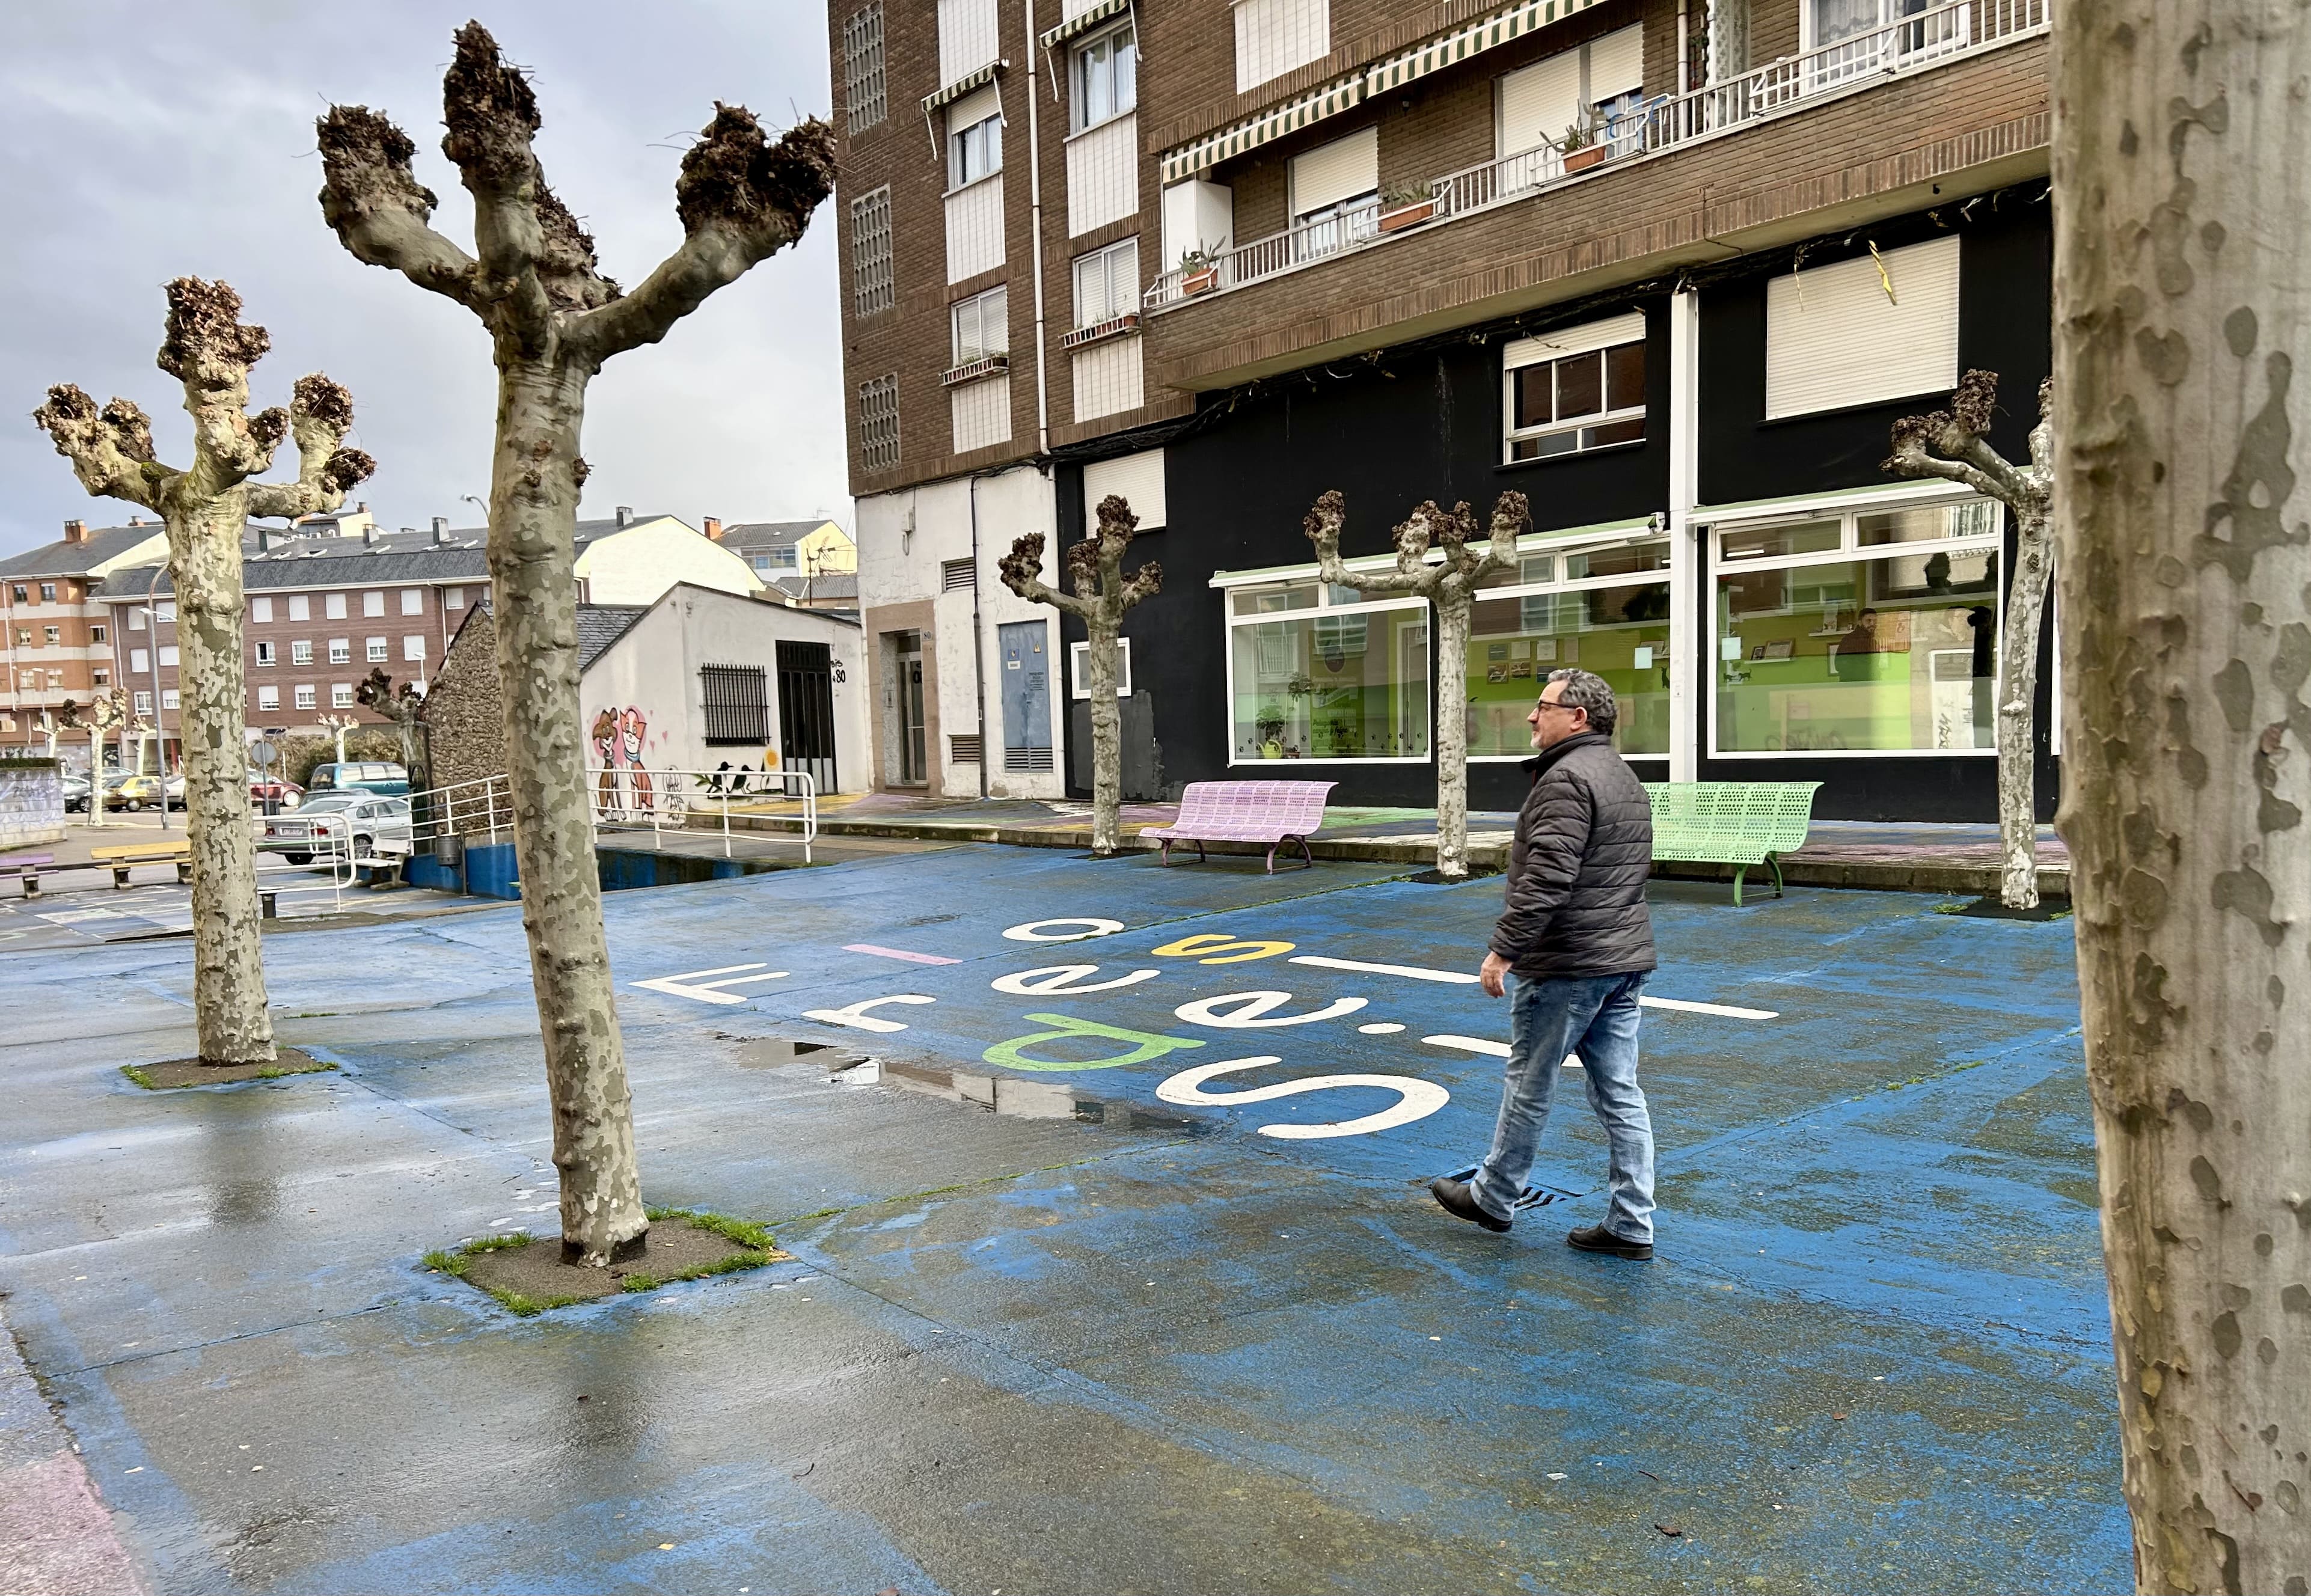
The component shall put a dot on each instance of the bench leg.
(1739, 871)
(119, 876)
(32, 883)
(1271, 859)
(1774, 860)
(1307, 859)
(1166, 845)
(1201, 856)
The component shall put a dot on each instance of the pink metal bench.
(1270, 812)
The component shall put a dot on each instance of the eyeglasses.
(1547, 704)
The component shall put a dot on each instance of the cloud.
(141, 142)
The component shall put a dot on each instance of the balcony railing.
(1928, 38)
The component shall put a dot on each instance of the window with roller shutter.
(1854, 334)
(1335, 193)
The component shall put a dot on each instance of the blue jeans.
(1594, 1017)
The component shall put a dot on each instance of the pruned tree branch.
(111, 449)
(741, 199)
(1322, 524)
(207, 348)
(1022, 572)
(320, 414)
(372, 198)
(1950, 444)
(492, 117)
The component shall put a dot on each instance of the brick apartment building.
(1670, 267)
(59, 640)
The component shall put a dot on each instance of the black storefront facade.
(1768, 604)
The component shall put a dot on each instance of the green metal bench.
(1730, 822)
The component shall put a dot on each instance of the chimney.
(260, 540)
(76, 531)
(625, 515)
(369, 534)
(440, 531)
(714, 528)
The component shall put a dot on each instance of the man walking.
(1576, 935)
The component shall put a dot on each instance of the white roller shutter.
(1272, 36)
(1139, 478)
(1574, 340)
(1616, 64)
(1836, 337)
(967, 38)
(972, 108)
(1330, 173)
(1539, 102)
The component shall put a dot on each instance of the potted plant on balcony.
(1408, 206)
(1579, 148)
(1199, 272)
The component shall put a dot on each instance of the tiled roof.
(65, 558)
(819, 589)
(601, 625)
(748, 537)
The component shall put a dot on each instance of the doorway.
(807, 712)
(1026, 691)
(914, 763)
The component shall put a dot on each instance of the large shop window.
(1874, 630)
(1316, 673)
(1580, 388)
(1604, 608)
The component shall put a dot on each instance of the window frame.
(341, 696)
(1326, 605)
(306, 697)
(1104, 258)
(976, 307)
(1558, 553)
(987, 136)
(268, 697)
(1080, 70)
(1849, 551)
(1079, 670)
(341, 650)
(300, 651)
(376, 650)
(267, 654)
(1578, 343)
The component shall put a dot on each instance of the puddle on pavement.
(1021, 1099)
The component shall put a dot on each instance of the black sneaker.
(1596, 1238)
(1455, 1199)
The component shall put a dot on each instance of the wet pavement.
(1063, 1316)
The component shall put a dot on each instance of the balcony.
(1794, 83)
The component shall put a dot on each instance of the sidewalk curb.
(1924, 877)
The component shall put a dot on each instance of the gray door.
(1026, 647)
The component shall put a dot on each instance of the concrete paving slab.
(1133, 1346)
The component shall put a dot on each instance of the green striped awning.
(1273, 122)
(963, 86)
(1084, 21)
(1477, 38)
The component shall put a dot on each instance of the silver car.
(325, 821)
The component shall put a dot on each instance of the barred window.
(879, 423)
(871, 287)
(738, 703)
(863, 97)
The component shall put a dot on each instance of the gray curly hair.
(1585, 690)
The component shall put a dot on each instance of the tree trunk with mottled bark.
(1953, 445)
(554, 320)
(205, 507)
(1101, 596)
(1450, 587)
(2182, 312)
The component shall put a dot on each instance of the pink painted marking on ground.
(897, 952)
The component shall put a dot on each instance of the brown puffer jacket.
(1576, 885)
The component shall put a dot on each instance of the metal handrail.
(630, 797)
(332, 851)
(1913, 43)
(462, 809)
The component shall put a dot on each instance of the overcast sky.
(142, 142)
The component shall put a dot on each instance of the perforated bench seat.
(1270, 812)
(1731, 823)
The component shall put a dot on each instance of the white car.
(327, 820)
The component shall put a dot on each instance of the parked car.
(133, 792)
(360, 776)
(326, 817)
(277, 791)
(175, 787)
(76, 795)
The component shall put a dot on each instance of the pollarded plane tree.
(1953, 444)
(554, 319)
(1099, 597)
(2182, 321)
(206, 507)
(100, 717)
(1450, 584)
(404, 705)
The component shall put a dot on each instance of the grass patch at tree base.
(526, 1275)
(2046, 909)
(175, 1074)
